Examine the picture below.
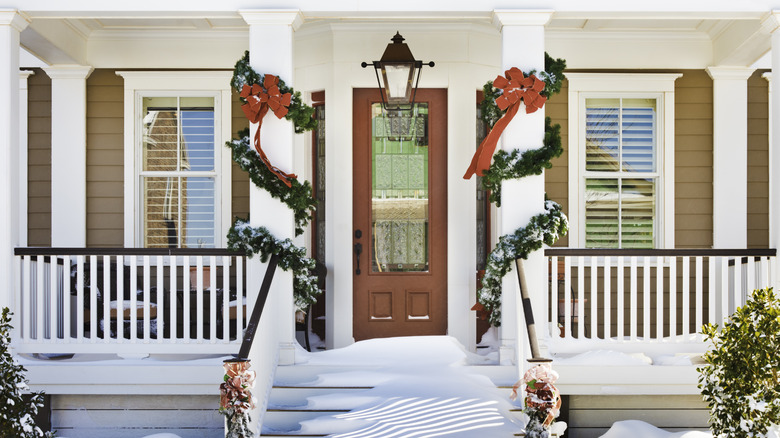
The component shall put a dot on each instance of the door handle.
(358, 250)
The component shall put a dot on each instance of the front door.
(399, 262)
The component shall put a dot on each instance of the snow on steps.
(307, 392)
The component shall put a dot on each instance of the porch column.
(522, 40)
(11, 24)
(773, 22)
(23, 154)
(68, 154)
(270, 52)
(729, 156)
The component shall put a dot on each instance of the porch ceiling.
(712, 37)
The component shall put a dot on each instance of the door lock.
(358, 250)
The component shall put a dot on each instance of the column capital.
(521, 17)
(68, 71)
(12, 17)
(284, 17)
(730, 72)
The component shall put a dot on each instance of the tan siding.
(39, 160)
(592, 415)
(693, 160)
(758, 162)
(105, 159)
(240, 179)
(556, 179)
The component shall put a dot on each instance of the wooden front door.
(399, 260)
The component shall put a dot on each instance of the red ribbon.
(258, 101)
(516, 87)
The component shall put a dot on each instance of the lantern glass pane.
(398, 82)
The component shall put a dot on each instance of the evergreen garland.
(298, 197)
(251, 241)
(545, 228)
(16, 411)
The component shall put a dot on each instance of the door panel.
(400, 217)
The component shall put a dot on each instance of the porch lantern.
(398, 70)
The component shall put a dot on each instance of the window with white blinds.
(178, 172)
(620, 172)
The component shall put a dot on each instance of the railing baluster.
(672, 297)
(712, 293)
(567, 298)
(120, 299)
(621, 298)
(659, 298)
(737, 283)
(106, 293)
(80, 298)
(633, 302)
(607, 298)
(160, 296)
(241, 296)
(133, 298)
(226, 321)
(27, 313)
(173, 273)
(66, 297)
(39, 293)
(594, 271)
(213, 299)
(93, 298)
(751, 275)
(646, 299)
(147, 299)
(699, 295)
(554, 331)
(724, 289)
(54, 293)
(186, 307)
(685, 307)
(199, 320)
(580, 301)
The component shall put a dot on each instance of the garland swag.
(544, 228)
(296, 195)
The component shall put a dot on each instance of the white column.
(729, 156)
(23, 113)
(68, 154)
(522, 39)
(11, 24)
(774, 143)
(271, 52)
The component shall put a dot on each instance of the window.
(177, 173)
(621, 157)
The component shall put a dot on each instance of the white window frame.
(625, 85)
(139, 84)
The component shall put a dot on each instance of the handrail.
(690, 252)
(257, 312)
(32, 251)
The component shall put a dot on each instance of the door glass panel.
(399, 190)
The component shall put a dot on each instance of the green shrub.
(17, 411)
(740, 381)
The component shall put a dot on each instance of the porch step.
(302, 393)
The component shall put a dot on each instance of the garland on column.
(498, 107)
(260, 94)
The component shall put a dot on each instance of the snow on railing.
(130, 301)
(640, 296)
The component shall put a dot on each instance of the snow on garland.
(251, 241)
(259, 94)
(545, 228)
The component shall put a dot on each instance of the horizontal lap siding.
(556, 179)
(590, 416)
(105, 159)
(132, 416)
(758, 162)
(693, 160)
(39, 159)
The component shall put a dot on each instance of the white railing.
(130, 301)
(648, 296)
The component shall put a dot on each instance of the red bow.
(516, 87)
(258, 101)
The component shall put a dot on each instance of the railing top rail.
(34, 251)
(683, 252)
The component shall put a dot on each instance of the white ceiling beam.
(741, 44)
(55, 42)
